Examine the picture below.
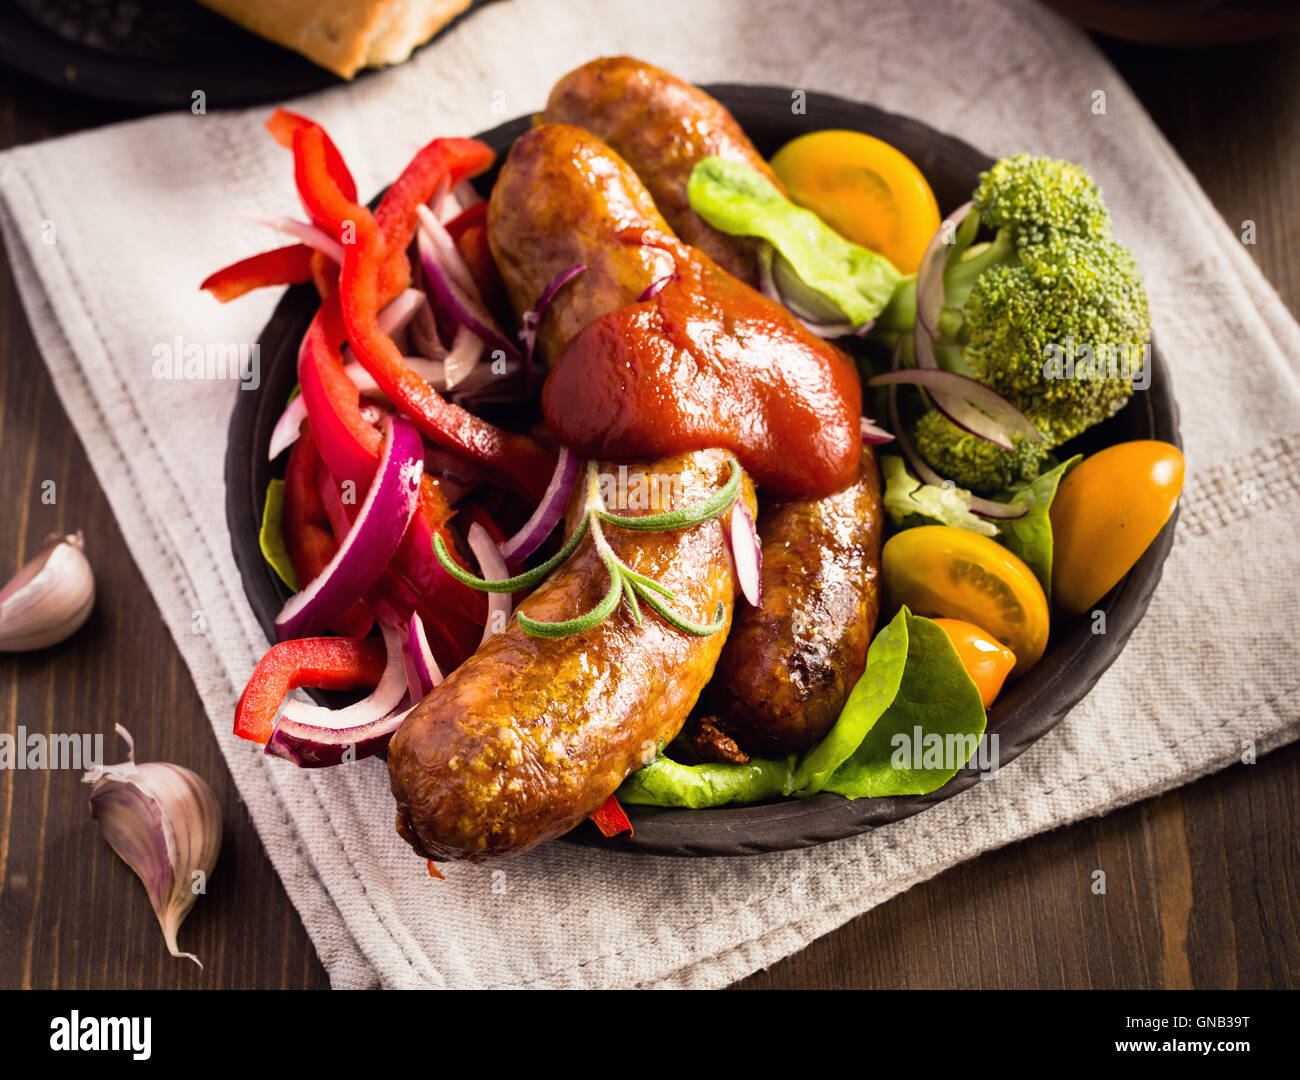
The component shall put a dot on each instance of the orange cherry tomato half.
(865, 190)
(941, 570)
(987, 661)
(1106, 513)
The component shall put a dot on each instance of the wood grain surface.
(1202, 884)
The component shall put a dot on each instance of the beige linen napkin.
(110, 232)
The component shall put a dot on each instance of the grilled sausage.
(561, 198)
(661, 126)
(530, 735)
(789, 665)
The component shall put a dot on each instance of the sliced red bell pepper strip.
(282, 124)
(441, 161)
(348, 442)
(516, 459)
(611, 820)
(473, 247)
(324, 274)
(283, 266)
(326, 663)
(475, 215)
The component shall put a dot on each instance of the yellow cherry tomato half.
(1106, 512)
(865, 190)
(944, 571)
(987, 661)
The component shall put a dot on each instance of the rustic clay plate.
(1074, 660)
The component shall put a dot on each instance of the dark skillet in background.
(1029, 708)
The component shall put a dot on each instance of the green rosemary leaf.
(525, 580)
(630, 593)
(680, 622)
(598, 614)
(648, 582)
(707, 508)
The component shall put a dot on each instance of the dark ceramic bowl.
(1031, 707)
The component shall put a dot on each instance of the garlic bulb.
(49, 598)
(164, 821)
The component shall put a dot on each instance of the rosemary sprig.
(624, 582)
(526, 580)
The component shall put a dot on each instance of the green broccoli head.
(1051, 313)
(1034, 198)
(971, 462)
(1068, 298)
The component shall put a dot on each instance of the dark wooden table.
(1202, 882)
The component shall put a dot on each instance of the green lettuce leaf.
(928, 732)
(914, 687)
(739, 200)
(1030, 536)
(271, 538)
(665, 782)
(910, 502)
(867, 702)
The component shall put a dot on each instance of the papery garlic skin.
(49, 598)
(165, 823)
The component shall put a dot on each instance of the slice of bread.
(344, 36)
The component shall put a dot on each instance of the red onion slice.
(466, 351)
(449, 278)
(929, 278)
(366, 550)
(548, 513)
(423, 673)
(493, 568)
(447, 254)
(929, 304)
(985, 508)
(445, 205)
(312, 736)
(872, 434)
(467, 194)
(399, 311)
(822, 328)
(533, 317)
(306, 232)
(996, 511)
(746, 552)
(656, 287)
(966, 402)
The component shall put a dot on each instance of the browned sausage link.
(662, 127)
(789, 665)
(560, 200)
(530, 735)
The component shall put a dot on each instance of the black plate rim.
(788, 824)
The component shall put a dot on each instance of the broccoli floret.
(1037, 197)
(974, 463)
(1051, 288)
(1083, 296)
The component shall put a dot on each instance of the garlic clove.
(165, 823)
(49, 598)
